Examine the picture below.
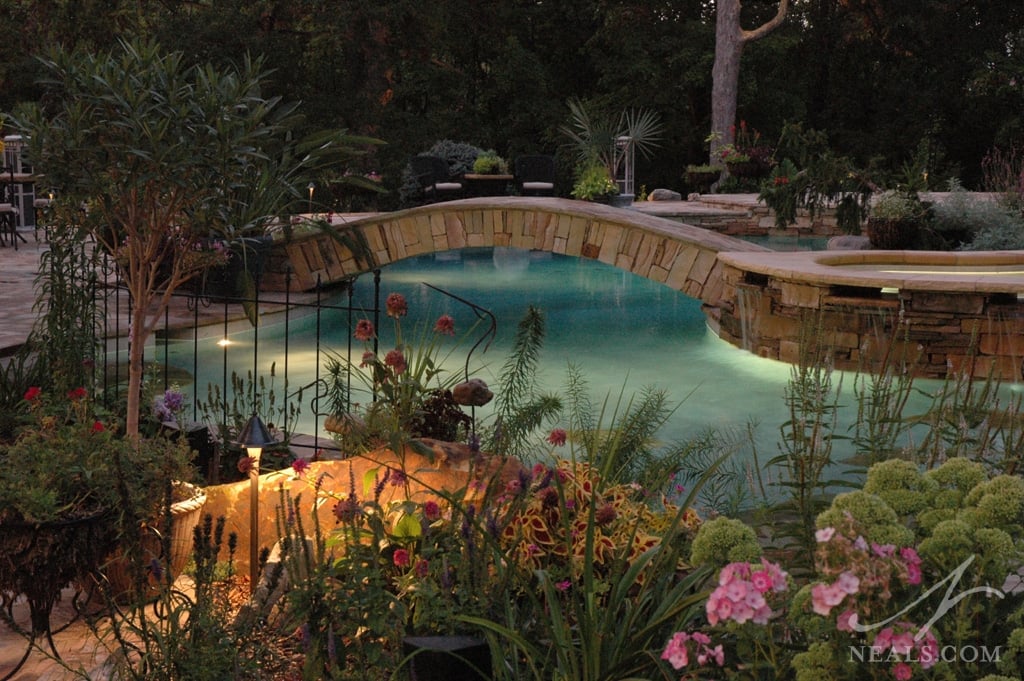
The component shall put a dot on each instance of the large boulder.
(449, 466)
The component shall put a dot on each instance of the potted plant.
(701, 177)
(489, 163)
(490, 175)
(612, 141)
(894, 219)
(594, 183)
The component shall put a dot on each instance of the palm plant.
(596, 137)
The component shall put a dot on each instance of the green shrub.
(489, 163)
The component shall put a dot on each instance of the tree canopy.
(888, 80)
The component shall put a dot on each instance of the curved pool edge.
(876, 269)
(944, 318)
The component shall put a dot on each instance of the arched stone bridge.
(680, 256)
(959, 311)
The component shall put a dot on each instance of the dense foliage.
(497, 75)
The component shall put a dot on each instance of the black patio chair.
(535, 175)
(434, 178)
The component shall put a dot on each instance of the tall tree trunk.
(730, 39)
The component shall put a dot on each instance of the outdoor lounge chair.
(434, 178)
(535, 175)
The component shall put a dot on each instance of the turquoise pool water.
(622, 331)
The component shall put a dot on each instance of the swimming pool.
(622, 331)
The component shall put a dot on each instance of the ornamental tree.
(153, 159)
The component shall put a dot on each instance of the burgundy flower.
(401, 557)
(422, 568)
(32, 393)
(346, 510)
(557, 437)
(431, 510)
(605, 514)
(77, 394)
(98, 427)
(364, 330)
(396, 305)
(245, 464)
(445, 325)
(368, 359)
(396, 360)
(300, 466)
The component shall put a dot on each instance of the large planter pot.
(448, 658)
(746, 169)
(185, 516)
(893, 234)
(702, 180)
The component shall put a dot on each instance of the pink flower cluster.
(906, 645)
(857, 567)
(677, 652)
(740, 595)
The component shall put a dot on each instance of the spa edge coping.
(833, 268)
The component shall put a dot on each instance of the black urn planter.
(893, 234)
(448, 658)
(745, 169)
(702, 180)
(37, 560)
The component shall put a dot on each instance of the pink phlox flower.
(701, 637)
(882, 641)
(824, 597)
(718, 609)
(883, 550)
(848, 582)
(909, 555)
(762, 615)
(777, 574)
(929, 651)
(676, 652)
(860, 544)
(761, 580)
(754, 600)
(902, 671)
(718, 655)
(903, 643)
(913, 573)
(846, 620)
(733, 571)
(736, 590)
(824, 534)
(741, 612)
